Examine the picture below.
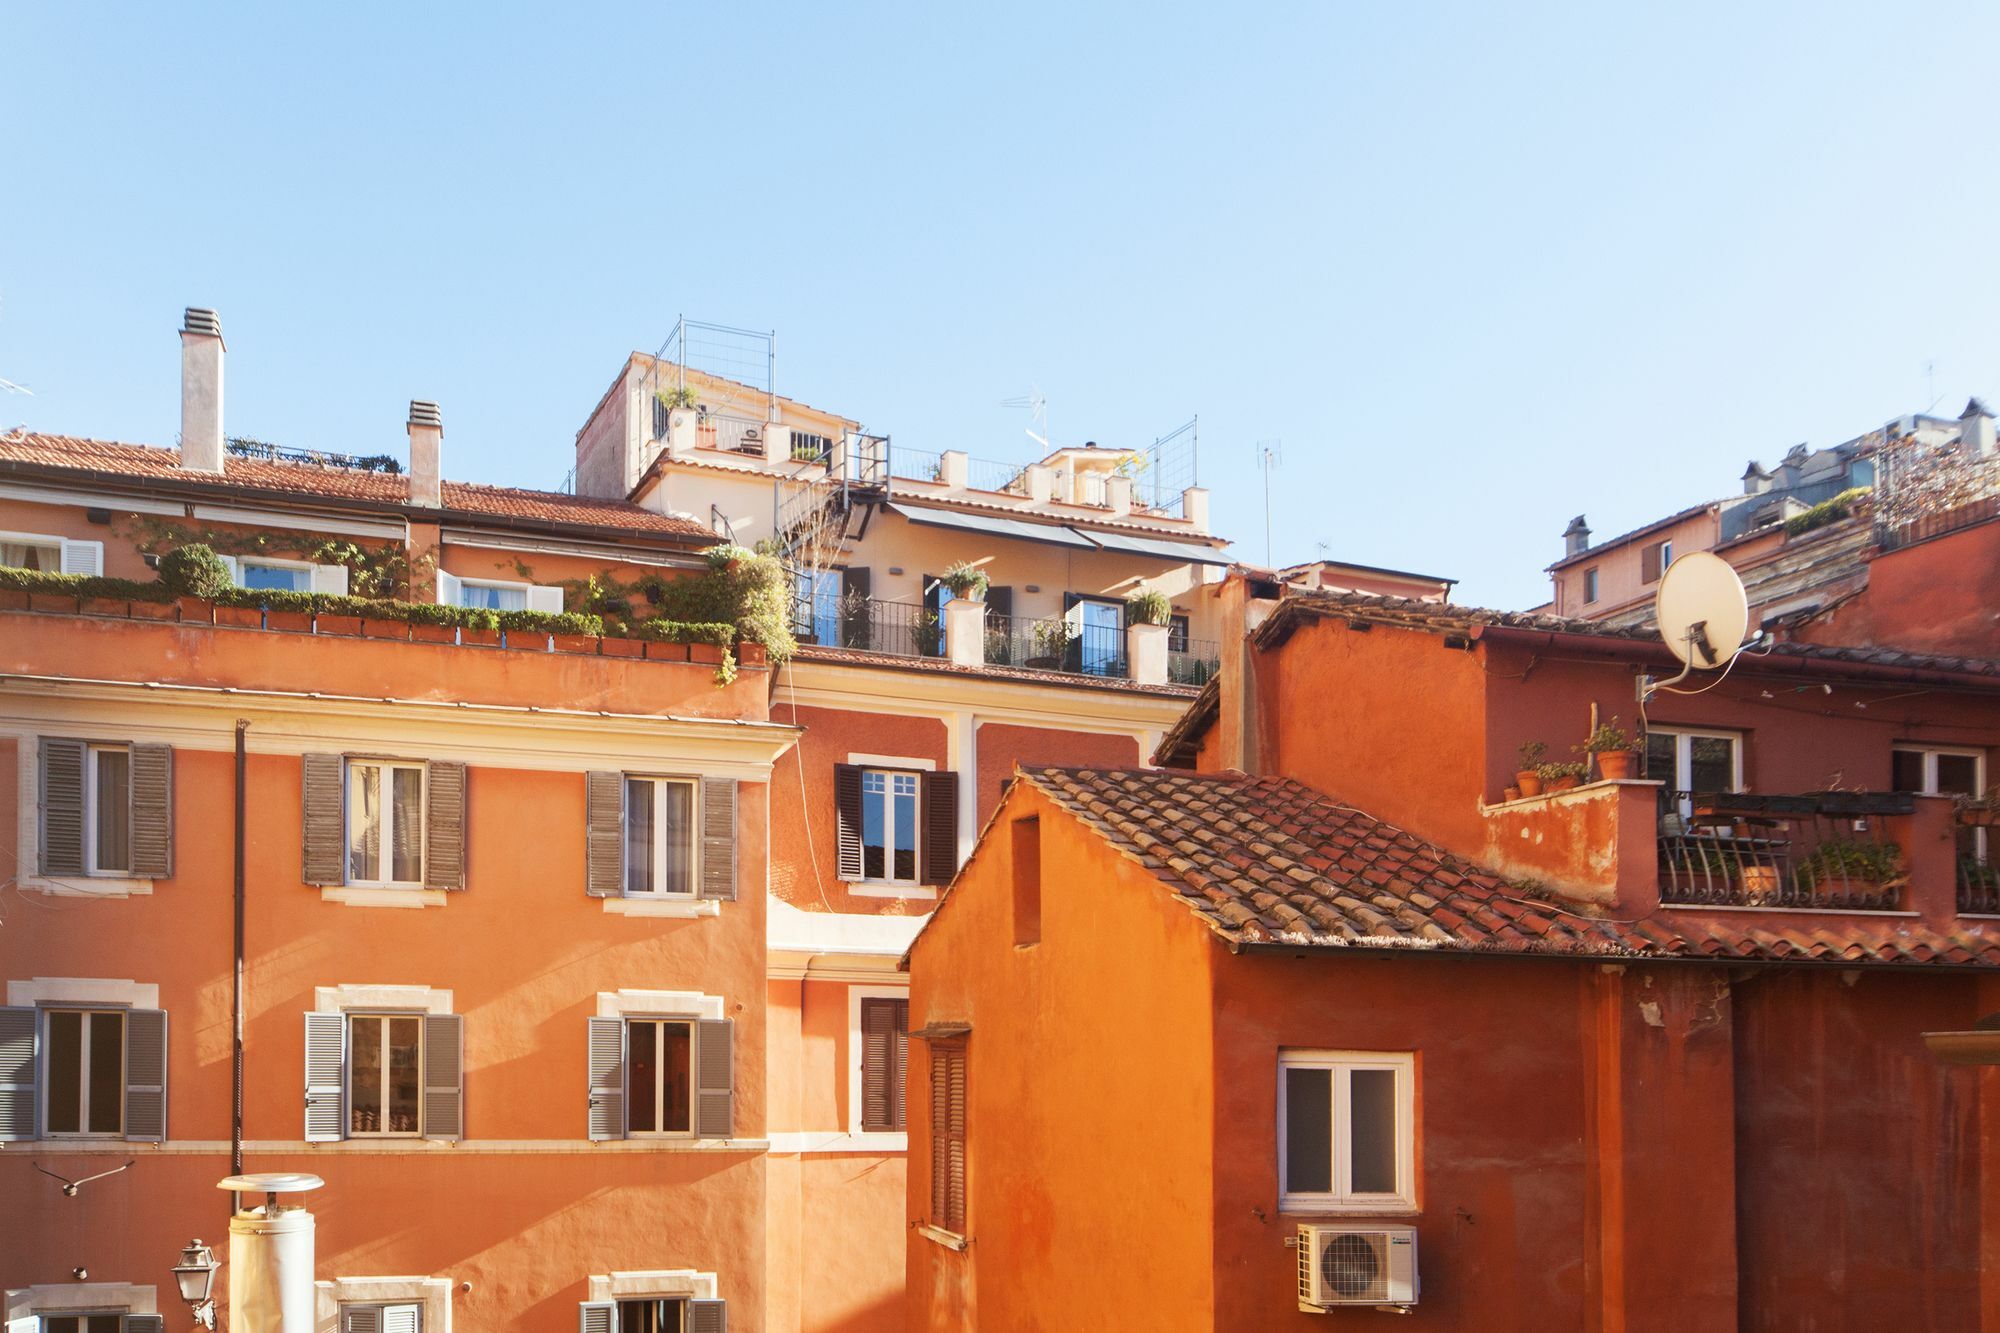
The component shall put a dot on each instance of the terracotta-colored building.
(1318, 1016)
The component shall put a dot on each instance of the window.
(1177, 633)
(1654, 559)
(885, 1053)
(277, 576)
(401, 1317)
(1346, 1131)
(660, 844)
(1027, 882)
(385, 822)
(685, 1303)
(497, 594)
(85, 1093)
(948, 1136)
(108, 810)
(816, 602)
(492, 596)
(385, 1075)
(1695, 760)
(83, 1321)
(1590, 584)
(661, 1083)
(1929, 771)
(1098, 628)
(50, 554)
(652, 1316)
(889, 826)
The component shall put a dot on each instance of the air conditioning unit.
(1357, 1264)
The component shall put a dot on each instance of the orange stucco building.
(1318, 1020)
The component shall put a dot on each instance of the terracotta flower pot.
(241, 617)
(1758, 885)
(614, 647)
(1565, 783)
(1529, 781)
(483, 638)
(422, 633)
(1511, 794)
(1615, 765)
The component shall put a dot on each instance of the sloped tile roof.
(1828, 564)
(1268, 860)
(155, 468)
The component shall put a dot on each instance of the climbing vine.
(377, 573)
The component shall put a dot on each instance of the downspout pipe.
(236, 992)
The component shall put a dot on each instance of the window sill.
(680, 908)
(872, 889)
(87, 886)
(835, 1141)
(950, 1240)
(1394, 1208)
(358, 896)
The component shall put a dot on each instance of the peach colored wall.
(1934, 596)
(1082, 1212)
(1003, 747)
(1621, 569)
(524, 952)
(478, 562)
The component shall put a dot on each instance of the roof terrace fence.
(1820, 850)
(987, 474)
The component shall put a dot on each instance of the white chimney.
(201, 391)
(1975, 429)
(1576, 537)
(426, 438)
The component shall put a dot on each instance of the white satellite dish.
(1702, 610)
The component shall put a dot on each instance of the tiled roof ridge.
(1107, 522)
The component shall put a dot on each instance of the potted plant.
(1529, 777)
(966, 581)
(927, 632)
(1510, 794)
(1053, 640)
(1148, 606)
(1561, 777)
(1612, 749)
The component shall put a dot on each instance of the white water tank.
(271, 1256)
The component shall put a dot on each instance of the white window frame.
(385, 844)
(1684, 738)
(90, 865)
(658, 851)
(431, 1294)
(893, 1139)
(1666, 555)
(888, 879)
(456, 585)
(46, 1075)
(63, 547)
(502, 584)
(1590, 585)
(348, 1131)
(1931, 754)
(693, 1026)
(1342, 1198)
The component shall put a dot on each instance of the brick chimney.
(201, 391)
(1576, 537)
(426, 439)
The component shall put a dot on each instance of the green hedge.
(82, 585)
(1826, 511)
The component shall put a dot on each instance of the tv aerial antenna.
(1037, 404)
(1270, 456)
(1704, 617)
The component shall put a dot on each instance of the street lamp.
(196, 1274)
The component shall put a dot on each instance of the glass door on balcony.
(1097, 628)
(816, 602)
(1932, 771)
(1692, 761)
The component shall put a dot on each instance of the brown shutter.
(847, 821)
(325, 833)
(715, 1075)
(718, 838)
(1649, 562)
(885, 1045)
(62, 806)
(152, 811)
(707, 1317)
(444, 1076)
(604, 834)
(444, 825)
(948, 1136)
(146, 1075)
(940, 817)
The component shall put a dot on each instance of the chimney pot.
(1576, 537)
(426, 442)
(201, 390)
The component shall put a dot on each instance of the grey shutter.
(718, 838)
(715, 1073)
(604, 834)
(326, 1077)
(708, 1317)
(402, 1319)
(360, 1319)
(325, 827)
(940, 818)
(607, 1078)
(444, 1076)
(847, 821)
(146, 1075)
(62, 807)
(152, 811)
(19, 1101)
(597, 1317)
(145, 1323)
(444, 825)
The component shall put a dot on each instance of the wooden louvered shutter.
(402, 1319)
(885, 1027)
(707, 1317)
(847, 821)
(948, 1136)
(718, 838)
(940, 817)
(19, 1099)
(360, 1319)
(444, 1077)
(62, 806)
(607, 1078)
(146, 1075)
(145, 1323)
(325, 828)
(604, 834)
(326, 1077)
(152, 811)
(597, 1317)
(715, 1073)
(444, 825)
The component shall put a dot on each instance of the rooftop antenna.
(1270, 454)
(1037, 404)
(1930, 385)
(1704, 617)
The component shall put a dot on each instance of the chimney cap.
(1756, 469)
(1974, 408)
(425, 413)
(1577, 525)
(199, 320)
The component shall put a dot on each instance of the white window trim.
(28, 837)
(874, 887)
(694, 1076)
(61, 543)
(347, 1093)
(894, 1139)
(892, 761)
(91, 750)
(527, 590)
(1684, 757)
(1338, 1201)
(98, 991)
(659, 1004)
(657, 852)
(46, 1085)
(415, 999)
(658, 1284)
(239, 563)
(385, 852)
(679, 906)
(432, 1293)
(62, 1298)
(1930, 755)
(375, 896)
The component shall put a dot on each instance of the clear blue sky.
(1478, 267)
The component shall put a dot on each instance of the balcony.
(1823, 850)
(1058, 645)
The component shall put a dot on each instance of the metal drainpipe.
(236, 998)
